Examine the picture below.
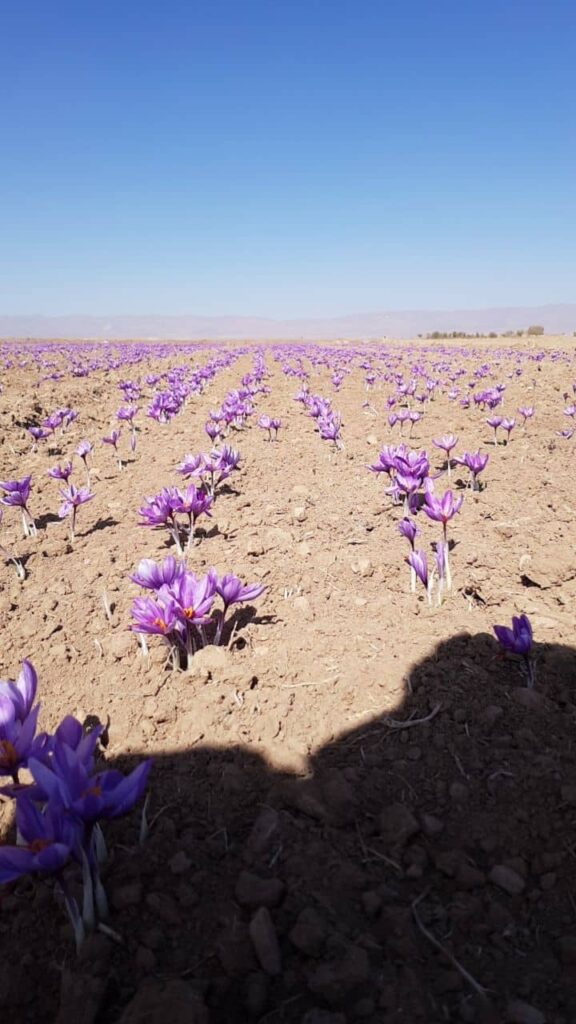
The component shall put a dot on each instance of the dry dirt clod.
(336, 980)
(156, 1003)
(507, 879)
(309, 933)
(398, 825)
(518, 1012)
(265, 942)
(253, 891)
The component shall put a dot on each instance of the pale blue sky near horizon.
(286, 159)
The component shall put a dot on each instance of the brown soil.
(309, 861)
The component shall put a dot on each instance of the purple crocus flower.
(441, 509)
(418, 562)
(156, 616)
(68, 783)
(494, 422)
(61, 472)
(191, 465)
(446, 444)
(407, 528)
(265, 423)
(193, 502)
(18, 720)
(16, 495)
(476, 463)
(49, 840)
(112, 438)
(153, 575)
(508, 425)
(212, 429)
(193, 598)
(126, 414)
(526, 412)
(84, 449)
(518, 640)
(73, 498)
(232, 591)
(17, 492)
(38, 434)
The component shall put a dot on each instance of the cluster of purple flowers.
(328, 422)
(59, 813)
(211, 468)
(407, 471)
(181, 609)
(60, 418)
(402, 416)
(271, 424)
(162, 509)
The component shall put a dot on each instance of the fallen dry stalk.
(478, 988)
(393, 723)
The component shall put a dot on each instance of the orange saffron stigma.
(8, 755)
(37, 845)
(161, 624)
(189, 613)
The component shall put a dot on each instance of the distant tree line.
(534, 331)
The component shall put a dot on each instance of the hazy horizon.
(556, 319)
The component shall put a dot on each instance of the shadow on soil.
(421, 870)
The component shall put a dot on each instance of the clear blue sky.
(286, 157)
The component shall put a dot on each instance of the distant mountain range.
(558, 319)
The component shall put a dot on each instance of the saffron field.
(285, 768)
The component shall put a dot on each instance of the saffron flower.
(476, 463)
(48, 841)
(494, 422)
(73, 498)
(16, 494)
(212, 429)
(83, 450)
(441, 558)
(232, 591)
(38, 434)
(18, 720)
(61, 472)
(126, 414)
(418, 562)
(518, 640)
(442, 510)
(69, 782)
(156, 616)
(526, 412)
(151, 576)
(508, 425)
(446, 444)
(193, 503)
(112, 439)
(407, 528)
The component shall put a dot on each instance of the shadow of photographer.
(421, 869)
